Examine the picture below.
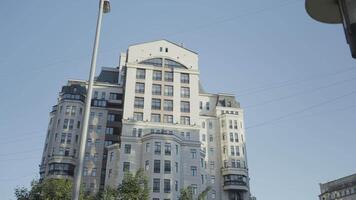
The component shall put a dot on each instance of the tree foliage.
(134, 187)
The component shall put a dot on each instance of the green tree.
(204, 194)
(47, 189)
(107, 194)
(186, 193)
(134, 187)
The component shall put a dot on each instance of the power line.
(300, 111)
(299, 93)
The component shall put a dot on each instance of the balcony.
(235, 182)
(76, 97)
(234, 171)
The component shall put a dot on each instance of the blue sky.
(294, 77)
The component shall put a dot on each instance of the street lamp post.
(104, 7)
(336, 12)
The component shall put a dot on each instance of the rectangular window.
(211, 138)
(158, 148)
(168, 119)
(176, 185)
(155, 118)
(147, 165)
(230, 124)
(140, 73)
(236, 137)
(109, 131)
(111, 117)
(156, 166)
(140, 88)
(156, 185)
(139, 102)
(168, 76)
(210, 125)
(203, 137)
(185, 120)
(207, 105)
(168, 90)
(168, 105)
(114, 96)
(185, 106)
(67, 110)
(193, 152)
(85, 171)
(157, 75)
(177, 169)
(156, 104)
(235, 124)
(167, 149)
(103, 94)
(193, 169)
(93, 172)
(231, 137)
(138, 116)
(65, 123)
(63, 138)
(237, 151)
(232, 148)
(156, 89)
(184, 92)
(167, 166)
(127, 148)
(184, 78)
(200, 105)
(147, 147)
(126, 167)
(167, 186)
(69, 138)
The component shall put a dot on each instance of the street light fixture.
(336, 12)
(104, 7)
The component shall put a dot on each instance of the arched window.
(153, 61)
(174, 64)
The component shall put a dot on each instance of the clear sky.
(293, 76)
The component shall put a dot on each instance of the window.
(194, 189)
(153, 61)
(176, 167)
(111, 117)
(156, 89)
(167, 149)
(212, 178)
(126, 167)
(168, 105)
(139, 102)
(233, 163)
(78, 124)
(67, 110)
(222, 123)
(184, 106)
(213, 194)
(114, 96)
(211, 138)
(224, 136)
(65, 123)
(138, 116)
(211, 150)
(63, 138)
(187, 135)
(156, 104)
(168, 90)
(185, 120)
(103, 94)
(236, 137)
(147, 147)
(232, 148)
(184, 78)
(203, 137)
(193, 152)
(212, 165)
(93, 172)
(85, 171)
(210, 125)
(231, 137)
(224, 150)
(157, 75)
(147, 165)
(167, 185)
(235, 124)
(140, 73)
(207, 105)
(200, 105)
(96, 94)
(176, 185)
(155, 118)
(109, 131)
(168, 118)
(156, 166)
(69, 138)
(140, 88)
(168, 76)
(156, 185)
(66, 152)
(157, 148)
(185, 92)
(167, 166)
(193, 169)
(237, 151)
(127, 148)
(230, 124)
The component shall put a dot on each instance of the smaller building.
(340, 189)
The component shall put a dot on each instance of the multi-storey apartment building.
(340, 189)
(151, 113)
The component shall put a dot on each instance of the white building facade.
(167, 125)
